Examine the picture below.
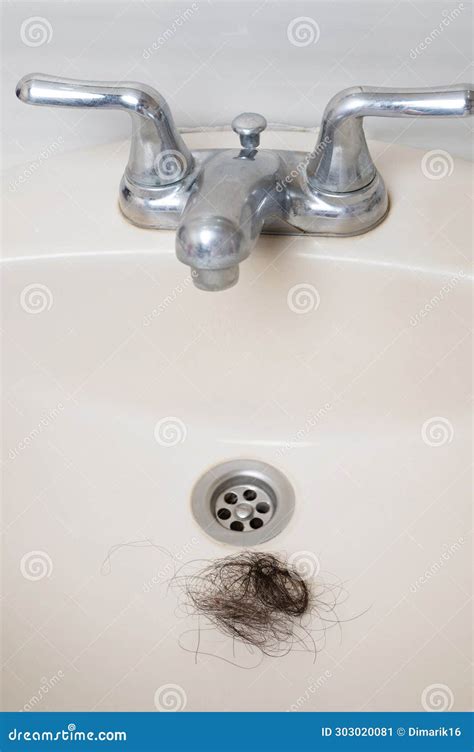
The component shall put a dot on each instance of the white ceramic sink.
(356, 385)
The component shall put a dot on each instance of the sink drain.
(243, 502)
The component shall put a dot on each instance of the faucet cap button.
(249, 125)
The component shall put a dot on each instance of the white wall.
(232, 56)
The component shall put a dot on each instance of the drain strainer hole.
(223, 514)
(231, 498)
(250, 495)
(256, 523)
(263, 507)
(237, 526)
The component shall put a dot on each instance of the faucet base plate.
(308, 211)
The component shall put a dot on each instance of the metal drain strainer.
(243, 502)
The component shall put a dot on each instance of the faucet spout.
(231, 198)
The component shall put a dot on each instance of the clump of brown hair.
(258, 599)
(253, 597)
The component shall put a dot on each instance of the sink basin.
(344, 363)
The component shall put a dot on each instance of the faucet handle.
(158, 154)
(249, 126)
(341, 162)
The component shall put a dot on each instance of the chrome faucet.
(220, 200)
